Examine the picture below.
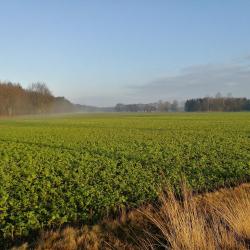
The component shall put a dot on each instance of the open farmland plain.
(78, 168)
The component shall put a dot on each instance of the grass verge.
(211, 221)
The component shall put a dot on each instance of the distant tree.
(62, 105)
(175, 106)
(12, 98)
(41, 88)
(217, 104)
(163, 106)
(119, 107)
(247, 105)
(41, 97)
(15, 100)
(149, 108)
(218, 95)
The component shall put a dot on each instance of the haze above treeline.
(38, 99)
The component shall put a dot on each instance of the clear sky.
(108, 51)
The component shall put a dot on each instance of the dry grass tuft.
(215, 221)
(71, 239)
(234, 208)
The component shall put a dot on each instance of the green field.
(78, 168)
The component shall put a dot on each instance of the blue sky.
(108, 51)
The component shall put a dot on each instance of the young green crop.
(78, 168)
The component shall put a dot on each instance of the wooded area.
(37, 99)
(161, 106)
(223, 104)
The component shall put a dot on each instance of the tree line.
(36, 99)
(206, 104)
(218, 103)
(160, 106)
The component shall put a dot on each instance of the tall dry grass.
(234, 208)
(218, 220)
(214, 221)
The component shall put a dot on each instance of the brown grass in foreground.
(219, 220)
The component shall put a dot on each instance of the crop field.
(78, 168)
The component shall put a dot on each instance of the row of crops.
(78, 168)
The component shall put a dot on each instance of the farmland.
(78, 168)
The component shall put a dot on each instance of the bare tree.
(41, 97)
